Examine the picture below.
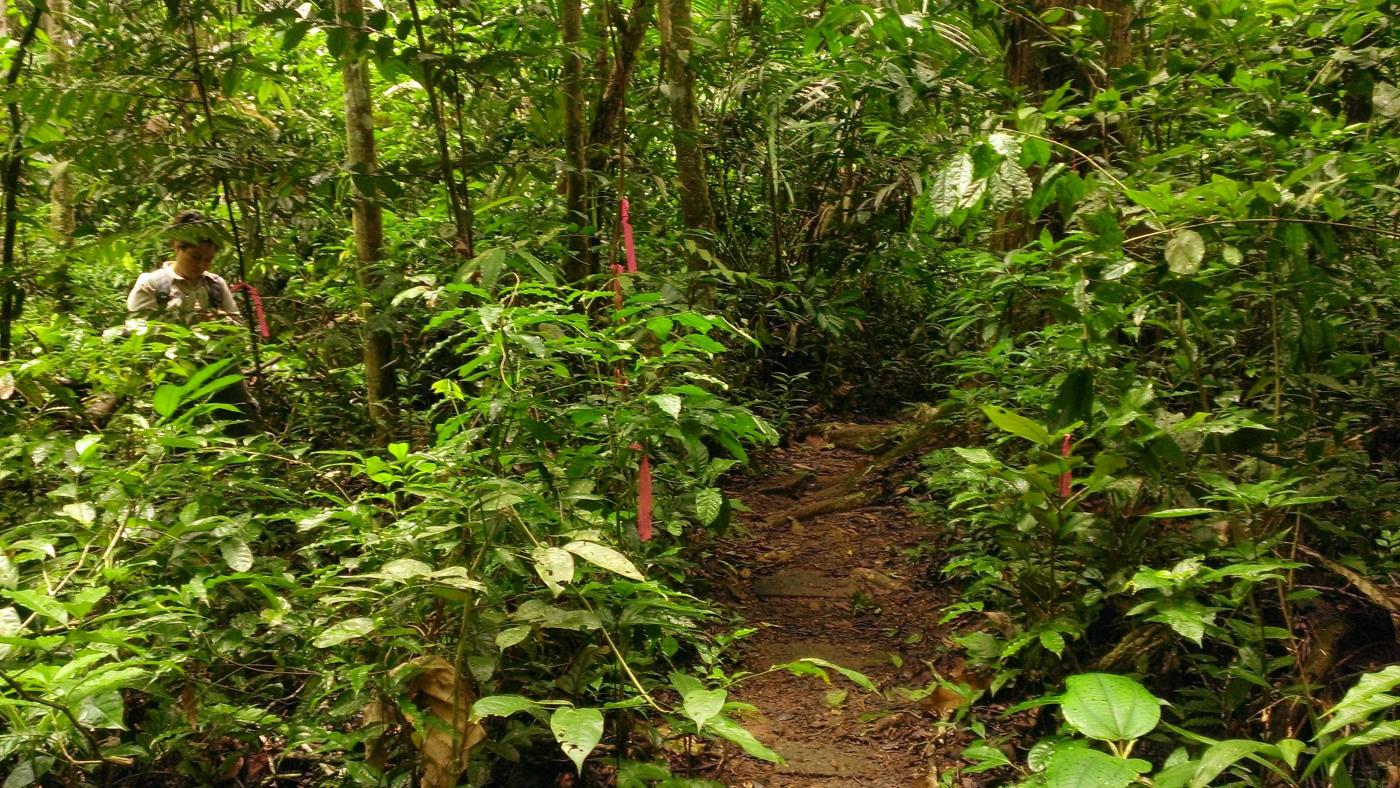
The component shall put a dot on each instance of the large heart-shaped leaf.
(1109, 707)
(578, 731)
(1081, 767)
(702, 705)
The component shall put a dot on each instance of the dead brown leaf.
(445, 733)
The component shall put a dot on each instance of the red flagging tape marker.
(644, 469)
(627, 242)
(1065, 477)
(257, 306)
(643, 496)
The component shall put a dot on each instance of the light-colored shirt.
(189, 298)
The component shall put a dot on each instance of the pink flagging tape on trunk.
(627, 241)
(257, 307)
(643, 496)
(1065, 477)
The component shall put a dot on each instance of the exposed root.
(870, 482)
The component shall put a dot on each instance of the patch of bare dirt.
(847, 588)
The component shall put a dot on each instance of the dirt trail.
(844, 588)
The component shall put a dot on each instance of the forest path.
(846, 588)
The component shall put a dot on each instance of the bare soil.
(848, 588)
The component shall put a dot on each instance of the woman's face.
(194, 259)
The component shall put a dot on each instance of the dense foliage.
(1148, 250)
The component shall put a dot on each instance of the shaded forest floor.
(850, 588)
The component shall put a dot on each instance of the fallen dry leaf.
(445, 733)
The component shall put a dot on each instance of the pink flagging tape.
(1065, 477)
(643, 495)
(257, 307)
(628, 242)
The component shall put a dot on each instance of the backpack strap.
(162, 293)
(216, 293)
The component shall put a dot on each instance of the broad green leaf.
(115, 677)
(605, 557)
(578, 731)
(1363, 700)
(342, 631)
(27, 772)
(511, 636)
(1081, 767)
(1222, 755)
(733, 731)
(555, 567)
(102, 710)
(660, 326)
(43, 604)
(976, 456)
(1108, 707)
(702, 705)
(237, 554)
(502, 706)
(82, 511)
(984, 758)
(404, 569)
(167, 398)
(859, 678)
(669, 403)
(1017, 424)
(1185, 251)
(1186, 617)
(709, 502)
(1053, 642)
(9, 575)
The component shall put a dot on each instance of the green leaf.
(733, 731)
(403, 569)
(502, 706)
(984, 758)
(555, 567)
(605, 557)
(1076, 767)
(511, 636)
(1053, 642)
(1223, 755)
(578, 731)
(348, 629)
(102, 710)
(1186, 617)
(9, 574)
(670, 403)
(1108, 707)
(167, 398)
(295, 34)
(237, 554)
(702, 705)
(1187, 512)
(43, 604)
(1185, 251)
(28, 772)
(1363, 700)
(709, 502)
(1017, 424)
(660, 327)
(859, 678)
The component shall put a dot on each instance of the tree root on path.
(933, 428)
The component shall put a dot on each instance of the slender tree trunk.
(368, 219)
(580, 263)
(460, 223)
(607, 115)
(61, 213)
(11, 295)
(696, 209)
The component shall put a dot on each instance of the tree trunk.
(461, 224)
(580, 263)
(697, 212)
(607, 115)
(61, 214)
(11, 295)
(368, 221)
